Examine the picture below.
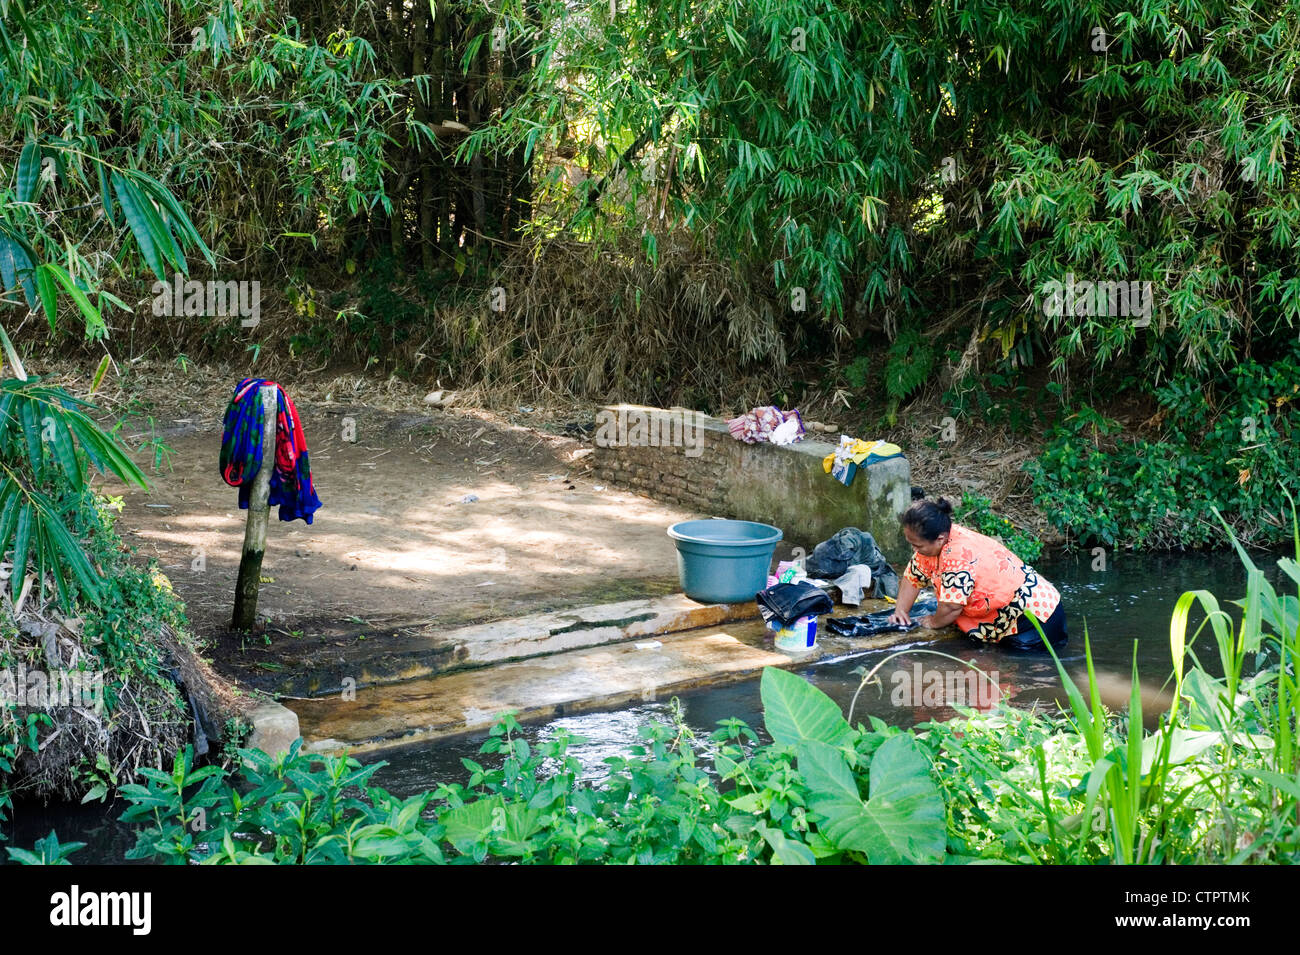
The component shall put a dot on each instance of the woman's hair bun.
(928, 518)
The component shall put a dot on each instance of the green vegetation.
(76, 608)
(1229, 447)
(703, 202)
(697, 202)
(1216, 781)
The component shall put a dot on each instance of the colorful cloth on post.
(993, 585)
(762, 424)
(241, 451)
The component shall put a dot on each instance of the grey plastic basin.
(723, 561)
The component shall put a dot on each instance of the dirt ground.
(398, 540)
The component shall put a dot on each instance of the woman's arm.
(944, 616)
(907, 592)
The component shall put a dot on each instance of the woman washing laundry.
(981, 586)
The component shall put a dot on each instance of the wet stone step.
(419, 651)
(449, 704)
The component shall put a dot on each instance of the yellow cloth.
(857, 451)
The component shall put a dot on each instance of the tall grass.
(1217, 780)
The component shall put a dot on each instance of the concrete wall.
(712, 473)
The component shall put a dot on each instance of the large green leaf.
(467, 825)
(794, 710)
(902, 819)
(786, 851)
(826, 772)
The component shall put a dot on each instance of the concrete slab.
(541, 688)
(546, 687)
(426, 649)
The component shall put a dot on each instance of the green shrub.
(1229, 447)
(977, 513)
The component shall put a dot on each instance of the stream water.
(1131, 600)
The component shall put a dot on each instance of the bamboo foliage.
(895, 159)
(47, 442)
(890, 159)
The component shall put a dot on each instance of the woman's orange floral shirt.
(993, 585)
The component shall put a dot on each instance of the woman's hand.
(907, 592)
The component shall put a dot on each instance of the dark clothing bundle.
(870, 624)
(1026, 637)
(788, 602)
(831, 558)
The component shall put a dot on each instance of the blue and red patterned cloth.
(241, 451)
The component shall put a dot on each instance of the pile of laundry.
(843, 463)
(769, 424)
(852, 562)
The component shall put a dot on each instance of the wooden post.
(250, 562)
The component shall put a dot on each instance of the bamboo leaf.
(32, 426)
(99, 374)
(9, 512)
(22, 542)
(106, 193)
(12, 354)
(94, 321)
(49, 295)
(110, 457)
(16, 267)
(29, 172)
(70, 550)
(132, 207)
(66, 454)
(56, 571)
